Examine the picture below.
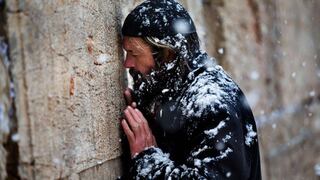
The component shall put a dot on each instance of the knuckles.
(143, 136)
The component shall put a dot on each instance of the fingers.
(139, 126)
(135, 115)
(127, 130)
(137, 131)
(134, 104)
(147, 131)
(140, 115)
(133, 122)
(128, 96)
(136, 123)
(129, 99)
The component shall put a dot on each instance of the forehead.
(126, 43)
(135, 44)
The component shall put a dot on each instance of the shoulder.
(212, 90)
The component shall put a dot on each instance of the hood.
(159, 19)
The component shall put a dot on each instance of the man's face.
(139, 55)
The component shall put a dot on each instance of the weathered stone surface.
(196, 11)
(289, 131)
(236, 43)
(298, 163)
(290, 127)
(299, 43)
(290, 142)
(4, 119)
(68, 80)
(4, 98)
(103, 171)
(271, 52)
(214, 39)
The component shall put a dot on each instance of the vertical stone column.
(8, 123)
(4, 110)
(68, 79)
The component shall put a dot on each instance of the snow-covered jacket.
(206, 130)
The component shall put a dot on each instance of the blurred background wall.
(271, 49)
(61, 82)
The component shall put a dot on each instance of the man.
(186, 118)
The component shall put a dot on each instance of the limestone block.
(69, 84)
(290, 142)
(299, 42)
(103, 171)
(298, 163)
(241, 50)
(4, 113)
(214, 38)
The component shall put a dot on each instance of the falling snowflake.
(221, 50)
(312, 93)
(250, 135)
(254, 75)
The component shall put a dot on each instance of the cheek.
(151, 62)
(148, 65)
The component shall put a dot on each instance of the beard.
(145, 86)
(158, 85)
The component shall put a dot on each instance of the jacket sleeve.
(218, 149)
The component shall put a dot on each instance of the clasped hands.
(136, 127)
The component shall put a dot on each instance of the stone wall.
(4, 111)
(68, 82)
(271, 48)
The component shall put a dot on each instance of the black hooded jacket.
(200, 118)
(204, 130)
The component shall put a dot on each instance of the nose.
(128, 63)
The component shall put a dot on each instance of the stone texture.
(299, 42)
(288, 132)
(301, 121)
(290, 142)
(214, 38)
(103, 171)
(270, 48)
(68, 80)
(296, 157)
(4, 118)
(242, 47)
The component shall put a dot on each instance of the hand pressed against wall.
(136, 127)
